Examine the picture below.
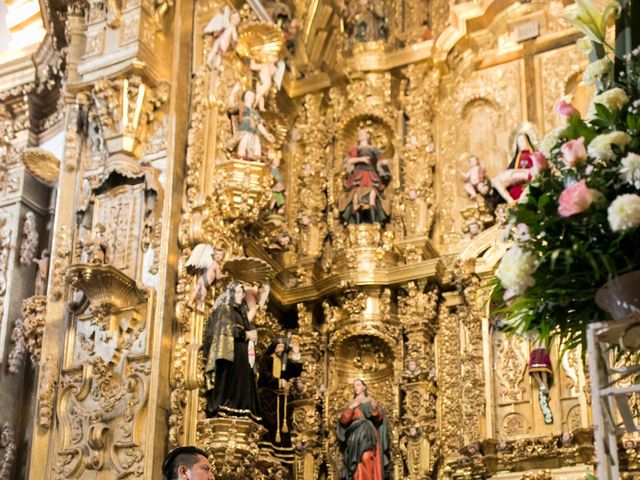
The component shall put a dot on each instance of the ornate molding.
(232, 444)
(107, 288)
(47, 385)
(126, 109)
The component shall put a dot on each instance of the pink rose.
(509, 297)
(540, 163)
(576, 198)
(573, 152)
(566, 110)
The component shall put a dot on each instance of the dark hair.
(275, 342)
(514, 160)
(186, 456)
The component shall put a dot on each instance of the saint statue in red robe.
(362, 429)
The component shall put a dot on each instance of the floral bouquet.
(578, 225)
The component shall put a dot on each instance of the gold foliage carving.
(60, 260)
(99, 409)
(232, 444)
(33, 318)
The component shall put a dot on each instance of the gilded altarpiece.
(489, 103)
(391, 304)
(559, 74)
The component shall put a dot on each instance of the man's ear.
(182, 471)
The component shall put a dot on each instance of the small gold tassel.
(278, 439)
(285, 427)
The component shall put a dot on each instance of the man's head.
(280, 346)
(187, 463)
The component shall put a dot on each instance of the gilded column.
(307, 420)
(417, 312)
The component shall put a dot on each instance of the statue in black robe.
(279, 366)
(230, 381)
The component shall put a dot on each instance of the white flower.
(598, 69)
(624, 212)
(613, 99)
(600, 147)
(551, 140)
(630, 171)
(516, 269)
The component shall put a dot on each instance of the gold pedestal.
(242, 187)
(367, 249)
(232, 445)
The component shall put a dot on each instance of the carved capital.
(126, 108)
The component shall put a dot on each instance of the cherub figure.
(476, 181)
(411, 371)
(223, 27)
(208, 260)
(270, 71)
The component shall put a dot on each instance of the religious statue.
(511, 183)
(30, 241)
(278, 368)
(278, 190)
(230, 384)
(363, 199)
(98, 250)
(363, 432)
(412, 371)
(42, 264)
(540, 370)
(223, 27)
(476, 182)
(365, 21)
(268, 72)
(250, 127)
(417, 451)
(208, 261)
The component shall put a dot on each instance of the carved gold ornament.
(262, 42)
(250, 270)
(107, 288)
(41, 164)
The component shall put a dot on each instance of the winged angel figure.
(208, 260)
(269, 72)
(224, 28)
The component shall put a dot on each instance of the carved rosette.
(232, 445)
